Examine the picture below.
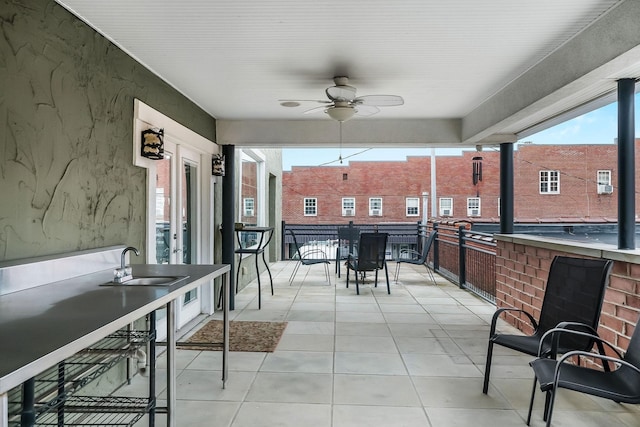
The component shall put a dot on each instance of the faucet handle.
(121, 275)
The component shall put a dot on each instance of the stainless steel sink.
(148, 281)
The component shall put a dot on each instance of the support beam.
(506, 188)
(626, 165)
(228, 218)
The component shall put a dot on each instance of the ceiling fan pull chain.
(340, 156)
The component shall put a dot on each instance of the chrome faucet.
(124, 252)
(122, 274)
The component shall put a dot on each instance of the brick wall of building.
(394, 181)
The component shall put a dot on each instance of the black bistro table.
(253, 240)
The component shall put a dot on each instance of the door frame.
(145, 117)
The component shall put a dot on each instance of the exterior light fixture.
(152, 146)
(217, 165)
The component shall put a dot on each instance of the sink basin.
(148, 281)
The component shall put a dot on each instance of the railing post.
(436, 249)
(283, 232)
(462, 255)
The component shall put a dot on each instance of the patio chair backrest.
(372, 251)
(574, 293)
(633, 350)
(427, 246)
(348, 240)
(295, 244)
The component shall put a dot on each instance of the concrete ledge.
(594, 250)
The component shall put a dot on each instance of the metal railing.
(463, 256)
(467, 258)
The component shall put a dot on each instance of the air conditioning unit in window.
(475, 212)
(375, 212)
(605, 189)
(446, 212)
(348, 212)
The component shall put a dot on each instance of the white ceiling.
(469, 71)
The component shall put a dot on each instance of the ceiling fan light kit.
(341, 113)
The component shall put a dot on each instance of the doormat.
(243, 336)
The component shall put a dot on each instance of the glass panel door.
(187, 239)
(164, 234)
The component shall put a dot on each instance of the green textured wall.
(66, 120)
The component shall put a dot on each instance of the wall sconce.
(153, 144)
(217, 165)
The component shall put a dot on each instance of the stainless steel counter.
(42, 326)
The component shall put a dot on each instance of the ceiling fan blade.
(379, 100)
(305, 100)
(315, 110)
(366, 110)
(341, 93)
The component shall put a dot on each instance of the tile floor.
(412, 358)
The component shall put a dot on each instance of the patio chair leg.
(386, 273)
(549, 412)
(294, 272)
(326, 270)
(357, 285)
(547, 402)
(487, 369)
(397, 273)
(533, 395)
(433, 278)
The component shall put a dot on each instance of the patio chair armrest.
(555, 336)
(576, 326)
(496, 315)
(313, 252)
(602, 357)
(407, 252)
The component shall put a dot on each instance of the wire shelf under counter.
(54, 389)
(99, 411)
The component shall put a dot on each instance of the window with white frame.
(549, 182)
(310, 207)
(248, 206)
(348, 206)
(412, 206)
(604, 182)
(473, 206)
(446, 206)
(375, 206)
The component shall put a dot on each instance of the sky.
(596, 127)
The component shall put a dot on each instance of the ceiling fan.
(343, 103)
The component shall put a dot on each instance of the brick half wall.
(521, 277)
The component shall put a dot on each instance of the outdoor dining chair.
(311, 255)
(347, 244)
(621, 384)
(371, 256)
(409, 256)
(574, 293)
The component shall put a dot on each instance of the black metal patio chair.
(409, 256)
(574, 293)
(621, 384)
(309, 256)
(371, 257)
(347, 244)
